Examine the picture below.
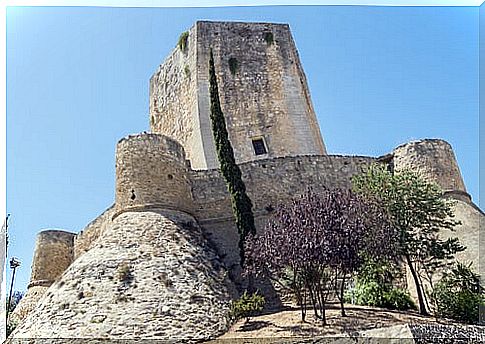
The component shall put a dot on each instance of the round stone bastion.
(151, 172)
(434, 160)
(52, 256)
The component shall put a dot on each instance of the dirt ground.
(287, 323)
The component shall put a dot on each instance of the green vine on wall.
(233, 65)
(241, 203)
(268, 37)
(183, 38)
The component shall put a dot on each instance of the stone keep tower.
(263, 91)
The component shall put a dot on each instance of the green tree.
(241, 203)
(459, 294)
(419, 211)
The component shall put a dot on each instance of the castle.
(162, 261)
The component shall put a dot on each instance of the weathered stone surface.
(471, 234)
(88, 236)
(142, 268)
(151, 170)
(51, 246)
(151, 275)
(28, 303)
(52, 256)
(434, 160)
(266, 95)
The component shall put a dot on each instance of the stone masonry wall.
(434, 160)
(151, 170)
(269, 183)
(151, 274)
(53, 254)
(266, 97)
(173, 100)
(88, 236)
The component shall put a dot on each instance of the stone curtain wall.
(435, 160)
(273, 181)
(151, 170)
(269, 183)
(88, 236)
(173, 100)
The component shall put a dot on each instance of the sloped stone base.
(151, 275)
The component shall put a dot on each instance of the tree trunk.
(342, 296)
(251, 288)
(422, 306)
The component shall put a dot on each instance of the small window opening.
(259, 147)
(170, 177)
(133, 196)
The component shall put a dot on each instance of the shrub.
(268, 37)
(233, 65)
(373, 294)
(374, 288)
(183, 38)
(246, 306)
(458, 295)
(399, 299)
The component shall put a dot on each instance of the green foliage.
(398, 298)
(374, 288)
(182, 42)
(268, 37)
(233, 65)
(419, 212)
(246, 306)
(458, 295)
(241, 203)
(187, 71)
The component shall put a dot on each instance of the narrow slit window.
(259, 146)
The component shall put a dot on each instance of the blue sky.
(77, 81)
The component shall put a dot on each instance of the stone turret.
(52, 256)
(151, 171)
(434, 160)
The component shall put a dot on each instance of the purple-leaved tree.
(319, 239)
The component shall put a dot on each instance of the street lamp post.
(14, 264)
